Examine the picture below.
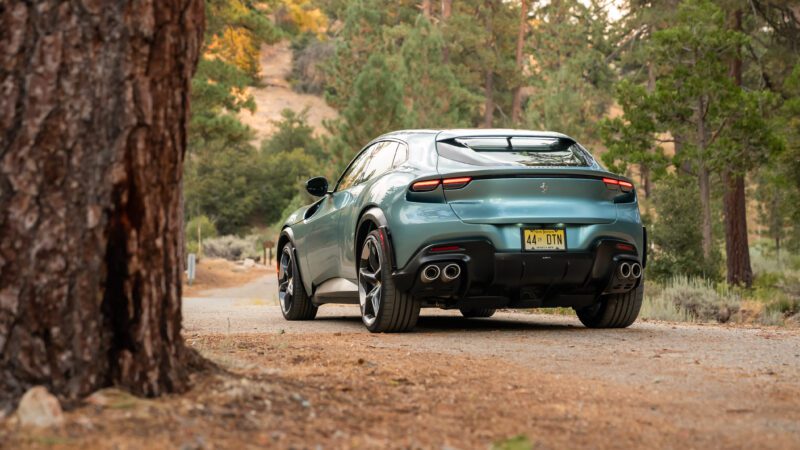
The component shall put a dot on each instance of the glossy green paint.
(493, 209)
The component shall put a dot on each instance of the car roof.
(473, 132)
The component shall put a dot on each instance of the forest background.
(697, 100)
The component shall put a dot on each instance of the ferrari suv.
(474, 220)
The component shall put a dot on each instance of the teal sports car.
(473, 219)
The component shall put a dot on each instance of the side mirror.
(317, 186)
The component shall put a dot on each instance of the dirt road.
(538, 381)
(469, 383)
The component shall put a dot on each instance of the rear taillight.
(625, 186)
(424, 186)
(447, 183)
(611, 183)
(455, 183)
(615, 184)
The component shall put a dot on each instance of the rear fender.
(377, 219)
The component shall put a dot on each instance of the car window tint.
(401, 155)
(380, 160)
(514, 151)
(354, 172)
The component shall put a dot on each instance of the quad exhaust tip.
(430, 273)
(636, 270)
(624, 270)
(630, 270)
(451, 272)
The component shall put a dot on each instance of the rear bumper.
(519, 279)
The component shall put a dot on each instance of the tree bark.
(94, 102)
(704, 180)
(516, 104)
(737, 248)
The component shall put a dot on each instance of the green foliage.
(676, 232)
(375, 107)
(198, 228)
(434, 97)
(294, 132)
(222, 185)
(284, 175)
(572, 79)
(519, 442)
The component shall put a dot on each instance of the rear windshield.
(515, 151)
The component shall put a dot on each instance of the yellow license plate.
(537, 239)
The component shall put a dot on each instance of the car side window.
(401, 155)
(380, 161)
(353, 173)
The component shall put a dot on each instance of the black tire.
(614, 310)
(477, 312)
(295, 302)
(384, 308)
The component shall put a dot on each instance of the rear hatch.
(526, 179)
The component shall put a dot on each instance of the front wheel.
(295, 303)
(614, 310)
(384, 308)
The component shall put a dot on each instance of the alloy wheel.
(369, 280)
(286, 281)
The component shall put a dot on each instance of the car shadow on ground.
(446, 324)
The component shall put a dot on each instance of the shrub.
(232, 248)
(696, 298)
(784, 305)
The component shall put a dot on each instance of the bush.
(695, 299)
(232, 248)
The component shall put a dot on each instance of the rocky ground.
(535, 380)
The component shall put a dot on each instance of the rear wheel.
(384, 308)
(295, 303)
(477, 312)
(614, 310)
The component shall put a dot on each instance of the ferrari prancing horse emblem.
(543, 187)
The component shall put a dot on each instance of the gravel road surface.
(692, 385)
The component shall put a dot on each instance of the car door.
(380, 161)
(320, 249)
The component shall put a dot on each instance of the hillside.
(276, 94)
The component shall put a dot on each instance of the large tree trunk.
(737, 248)
(704, 180)
(94, 102)
(516, 105)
